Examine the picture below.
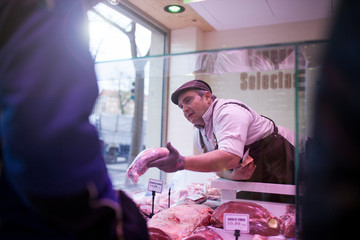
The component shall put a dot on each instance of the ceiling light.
(114, 2)
(174, 8)
(191, 1)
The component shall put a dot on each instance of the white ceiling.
(232, 14)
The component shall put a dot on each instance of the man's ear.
(208, 97)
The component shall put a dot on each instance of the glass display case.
(134, 112)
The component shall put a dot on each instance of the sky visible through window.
(108, 43)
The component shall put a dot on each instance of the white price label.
(195, 197)
(234, 221)
(155, 185)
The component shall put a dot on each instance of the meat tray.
(229, 190)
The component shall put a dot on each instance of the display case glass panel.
(134, 110)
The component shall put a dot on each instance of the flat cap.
(194, 84)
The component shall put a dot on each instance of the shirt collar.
(207, 116)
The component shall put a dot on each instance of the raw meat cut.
(181, 220)
(287, 222)
(139, 166)
(191, 195)
(157, 234)
(204, 233)
(146, 209)
(261, 221)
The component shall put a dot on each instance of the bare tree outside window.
(128, 39)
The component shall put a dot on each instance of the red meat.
(261, 221)
(158, 234)
(287, 222)
(204, 233)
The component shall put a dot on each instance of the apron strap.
(271, 166)
(203, 147)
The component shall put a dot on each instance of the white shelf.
(229, 188)
(223, 183)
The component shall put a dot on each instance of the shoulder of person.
(222, 104)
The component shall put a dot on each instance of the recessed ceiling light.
(174, 8)
(114, 2)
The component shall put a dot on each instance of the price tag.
(234, 221)
(155, 185)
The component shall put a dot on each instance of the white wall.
(179, 130)
(281, 33)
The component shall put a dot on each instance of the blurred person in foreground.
(54, 182)
(330, 205)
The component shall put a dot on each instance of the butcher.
(236, 142)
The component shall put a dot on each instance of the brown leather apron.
(274, 159)
(273, 156)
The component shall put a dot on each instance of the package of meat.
(204, 233)
(139, 166)
(287, 222)
(210, 192)
(261, 221)
(196, 199)
(181, 220)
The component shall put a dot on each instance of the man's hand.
(243, 172)
(171, 163)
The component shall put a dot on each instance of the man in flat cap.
(237, 143)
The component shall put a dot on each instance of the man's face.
(194, 106)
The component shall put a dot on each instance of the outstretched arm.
(214, 161)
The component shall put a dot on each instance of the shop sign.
(267, 80)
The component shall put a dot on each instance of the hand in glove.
(171, 163)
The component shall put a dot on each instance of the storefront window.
(118, 45)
